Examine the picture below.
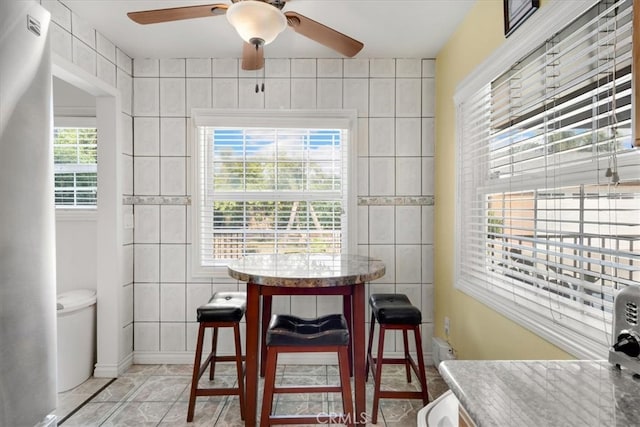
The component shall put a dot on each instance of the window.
(271, 182)
(549, 184)
(75, 152)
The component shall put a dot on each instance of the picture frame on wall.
(516, 12)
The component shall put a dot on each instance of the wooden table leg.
(358, 301)
(266, 318)
(347, 308)
(252, 316)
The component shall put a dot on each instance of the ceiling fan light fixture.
(255, 21)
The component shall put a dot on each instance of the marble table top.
(544, 392)
(306, 270)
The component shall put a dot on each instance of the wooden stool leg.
(407, 357)
(267, 302)
(377, 376)
(196, 371)
(370, 345)
(214, 351)
(269, 384)
(236, 334)
(422, 373)
(345, 382)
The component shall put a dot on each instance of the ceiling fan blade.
(323, 34)
(177, 13)
(252, 59)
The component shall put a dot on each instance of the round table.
(305, 274)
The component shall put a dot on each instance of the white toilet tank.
(76, 337)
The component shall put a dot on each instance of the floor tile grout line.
(221, 416)
(85, 402)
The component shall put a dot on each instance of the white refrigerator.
(27, 233)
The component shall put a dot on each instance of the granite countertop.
(542, 393)
(306, 270)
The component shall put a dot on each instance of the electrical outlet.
(447, 325)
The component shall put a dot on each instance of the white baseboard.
(112, 370)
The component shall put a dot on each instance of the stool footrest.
(216, 391)
(308, 389)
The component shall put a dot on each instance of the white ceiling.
(388, 28)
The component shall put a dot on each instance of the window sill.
(81, 214)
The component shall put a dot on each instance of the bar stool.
(395, 312)
(224, 310)
(291, 334)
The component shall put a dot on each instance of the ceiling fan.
(258, 22)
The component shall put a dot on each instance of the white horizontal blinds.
(75, 151)
(550, 183)
(270, 190)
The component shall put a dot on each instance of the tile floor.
(157, 395)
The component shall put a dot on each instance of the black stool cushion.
(394, 309)
(288, 330)
(223, 307)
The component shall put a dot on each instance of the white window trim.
(538, 28)
(77, 214)
(343, 119)
(74, 122)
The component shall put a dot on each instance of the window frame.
(83, 212)
(331, 119)
(535, 31)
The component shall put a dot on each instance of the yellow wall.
(476, 332)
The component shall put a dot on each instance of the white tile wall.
(172, 97)
(395, 164)
(382, 97)
(172, 302)
(173, 68)
(84, 56)
(147, 263)
(146, 224)
(172, 336)
(173, 134)
(224, 93)
(83, 31)
(198, 94)
(146, 171)
(408, 138)
(408, 222)
(408, 176)
(106, 48)
(173, 263)
(173, 176)
(198, 67)
(173, 220)
(303, 68)
(146, 133)
(146, 302)
(382, 137)
(146, 97)
(146, 336)
(60, 14)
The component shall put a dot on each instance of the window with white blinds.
(273, 188)
(75, 153)
(549, 184)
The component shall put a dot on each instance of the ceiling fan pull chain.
(263, 78)
(257, 45)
